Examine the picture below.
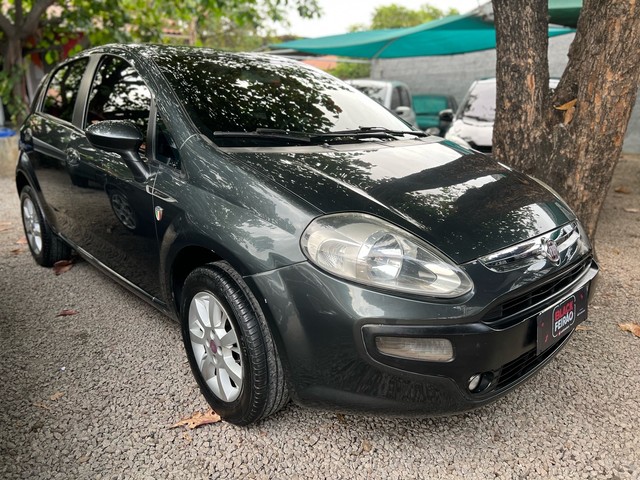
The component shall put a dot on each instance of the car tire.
(45, 246)
(229, 346)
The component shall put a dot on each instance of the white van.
(391, 94)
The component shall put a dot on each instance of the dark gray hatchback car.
(311, 244)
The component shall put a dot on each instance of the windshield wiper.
(318, 137)
(375, 130)
(266, 134)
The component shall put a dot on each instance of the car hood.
(473, 131)
(462, 202)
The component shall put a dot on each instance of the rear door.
(47, 134)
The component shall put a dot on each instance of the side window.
(166, 150)
(62, 91)
(119, 93)
(395, 98)
(405, 98)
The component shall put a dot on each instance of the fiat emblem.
(550, 250)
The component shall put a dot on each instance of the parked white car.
(472, 125)
(391, 94)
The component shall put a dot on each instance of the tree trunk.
(575, 150)
(15, 34)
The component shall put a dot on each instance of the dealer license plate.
(555, 322)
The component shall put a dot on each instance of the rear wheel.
(229, 346)
(46, 247)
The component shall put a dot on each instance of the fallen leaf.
(56, 396)
(622, 189)
(569, 109)
(62, 266)
(366, 446)
(631, 210)
(41, 405)
(582, 328)
(198, 419)
(567, 106)
(4, 226)
(21, 241)
(341, 418)
(630, 327)
(17, 251)
(65, 312)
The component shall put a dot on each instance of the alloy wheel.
(32, 226)
(216, 347)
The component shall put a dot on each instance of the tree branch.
(33, 17)
(19, 12)
(6, 26)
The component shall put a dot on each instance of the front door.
(117, 210)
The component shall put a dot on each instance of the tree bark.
(577, 155)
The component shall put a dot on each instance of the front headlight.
(368, 250)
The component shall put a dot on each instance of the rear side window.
(62, 91)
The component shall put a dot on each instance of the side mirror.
(121, 137)
(403, 111)
(446, 116)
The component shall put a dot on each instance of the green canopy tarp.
(446, 36)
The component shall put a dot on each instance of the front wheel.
(229, 346)
(46, 247)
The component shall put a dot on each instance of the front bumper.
(326, 329)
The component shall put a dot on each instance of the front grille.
(522, 365)
(536, 296)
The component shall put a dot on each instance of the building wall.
(453, 74)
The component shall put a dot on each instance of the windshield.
(246, 92)
(480, 103)
(377, 92)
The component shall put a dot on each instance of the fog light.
(474, 381)
(429, 349)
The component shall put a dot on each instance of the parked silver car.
(396, 96)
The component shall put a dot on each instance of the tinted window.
(480, 103)
(405, 98)
(224, 92)
(119, 93)
(166, 150)
(395, 98)
(62, 91)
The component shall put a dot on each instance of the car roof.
(371, 82)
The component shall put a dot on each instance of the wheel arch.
(189, 257)
(21, 181)
(185, 260)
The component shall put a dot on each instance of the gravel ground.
(93, 395)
